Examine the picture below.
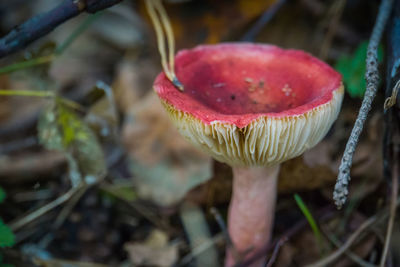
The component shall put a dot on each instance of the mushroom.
(251, 106)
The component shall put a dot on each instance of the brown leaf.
(297, 175)
(133, 81)
(154, 251)
(165, 166)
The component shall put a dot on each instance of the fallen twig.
(351, 255)
(146, 213)
(395, 189)
(44, 23)
(46, 208)
(222, 226)
(367, 224)
(228, 240)
(372, 77)
(69, 207)
(274, 255)
(262, 21)
(391, 147)
(335, 255)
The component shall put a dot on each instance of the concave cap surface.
(251, 104)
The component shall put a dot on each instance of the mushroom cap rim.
(242, 120)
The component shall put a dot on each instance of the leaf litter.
(159, 172)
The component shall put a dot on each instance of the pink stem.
(251, 212)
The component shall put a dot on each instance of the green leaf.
(2, 194)
(7, 238)
(353, 67)
(124, 191)
(60, 128)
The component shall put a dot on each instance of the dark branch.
(262, 21)
(393, 50)
(42, 24)
(392, 115)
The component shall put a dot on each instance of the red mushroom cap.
(236, 85)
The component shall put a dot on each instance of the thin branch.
(44, 23)
(395, 189)
(269, 14)
(372, 77)
(58, 51)
(275, 252)
(222, 226)
(354, 257)
(146, 213)
(367, 224)
(46, 208)
(67, 209)
(335, 255)
(391, 148)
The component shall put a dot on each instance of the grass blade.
(306, 212)
(26, 64)
(78, 31)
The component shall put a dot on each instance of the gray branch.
(42, 24)
(372, 77)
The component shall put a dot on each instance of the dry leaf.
(133, 81)
(165, 166)
(154, 251)
(295, 175)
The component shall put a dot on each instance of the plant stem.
(32, 93)
(27, 64)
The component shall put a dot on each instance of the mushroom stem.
(251, 212)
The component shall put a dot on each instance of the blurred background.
(148, 194)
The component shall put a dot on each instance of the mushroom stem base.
(251, 212)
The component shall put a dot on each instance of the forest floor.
(149, 198)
